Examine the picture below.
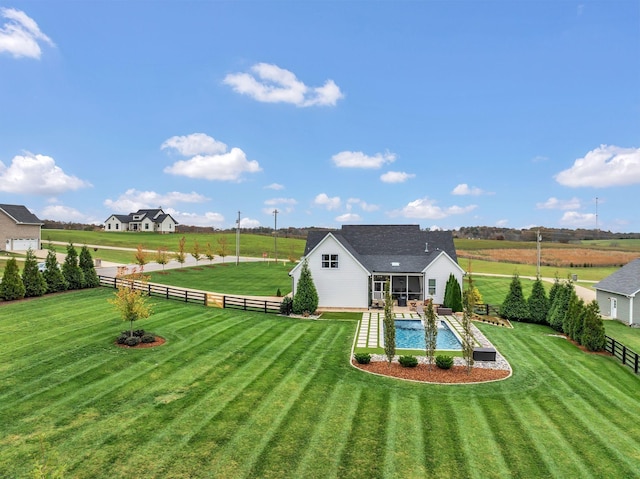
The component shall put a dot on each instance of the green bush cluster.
(362, 358)
(444, 361)
(286, 305)
(408, 361)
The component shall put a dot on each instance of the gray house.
(616, 293)
(19, 228)
(149, 220)
(350, 266)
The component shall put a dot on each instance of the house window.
(146, 226)
(108, 226)
(329, 260)
(432, 286)
(117, 226)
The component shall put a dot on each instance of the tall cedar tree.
(552, 296)
(514, 306)
(53, 274)
(34, 283)
(573, 319)
(131, 298)
(389, 325)
(91, 279)
(162, 256)
(305, 301)
(430, 332)
(196, 252)
(578, 323)
(453, 294)
(71, 270)
(12, 286)
(560, 306)
(538, 303)
(180, 255)
(593, 336)
(141, 257)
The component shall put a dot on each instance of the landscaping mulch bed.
(455, 375)
(158, 342)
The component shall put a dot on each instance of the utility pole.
(539, 241)
(238, 240)
(275, 233)
(597, 230)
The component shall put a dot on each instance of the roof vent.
(395, 263)
(426, 247)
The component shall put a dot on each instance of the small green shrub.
(444, 362)
(139, 332)
(279, 293)
(362, 358)
(132, 341)
(408, 361)
(122, 338)
(148, 338)
(286, 305)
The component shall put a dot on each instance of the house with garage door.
(616, 294)
(350, 266)
(152, 221)
(19, 228)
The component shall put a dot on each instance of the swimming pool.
(410, 335)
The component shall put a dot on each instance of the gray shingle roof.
(376, 247)
(624, 281)
(21, 215)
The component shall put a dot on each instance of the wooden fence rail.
(190, 296)
(627, 356)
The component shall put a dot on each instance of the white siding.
(167, 226)
(440, 269)
(113, 221)
(344, 287)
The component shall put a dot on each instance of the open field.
(630, 337)
(235, 394)
(266, 278)
(492, 267)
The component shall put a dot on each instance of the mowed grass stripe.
(178, 408)
(334, 419)
(188, 423)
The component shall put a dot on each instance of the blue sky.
(443, 114)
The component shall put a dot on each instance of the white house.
(155, 220)
(19, 228)
(617, 292)
(350, 266)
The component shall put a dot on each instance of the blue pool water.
(410, 335)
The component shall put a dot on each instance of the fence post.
(224, 302)
(624, 354)
(186, 295)
(635, 366)
(149, 288)
(265, 307)
(245, 304)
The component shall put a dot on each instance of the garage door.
(24, 244)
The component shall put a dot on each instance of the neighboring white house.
(616, 293)
(156, 221)
(350, 266)
(19, 228)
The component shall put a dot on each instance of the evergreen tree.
(453, 294)
(514, 306)
(430, 332)
(538, 303)
(71, 270)
(305, 301)
(552, 296)
(12, 286)
(389, 325)
(52, 273)
(560, 306)
(578, 325)
(572, 325)
(91, 279)
(34, 283)
(593, 336)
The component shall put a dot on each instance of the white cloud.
(20, 35)
(357, 159)
(329, 203)
(284, 204)
(363, 204)
(194, 144)
(211, 160)
(578, 220)
(349, 218)
(396, 177)
(463, 189)
(38, 175)
(269, 83)
(556, 204)
(249, 223)
(603, 167)
(425, 208)
(212, 219)
(134, 200)
(502, 223)
(274, 186)
(67, 214)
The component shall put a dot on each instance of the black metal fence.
(486, 309)
(190, 296)
(627, 356)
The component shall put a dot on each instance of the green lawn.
(495, 289)
(235, 394)
(630, 337)
(250, 278)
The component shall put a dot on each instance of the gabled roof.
(20, 214)
(155, 215)
(380, 247)
(625, 281)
